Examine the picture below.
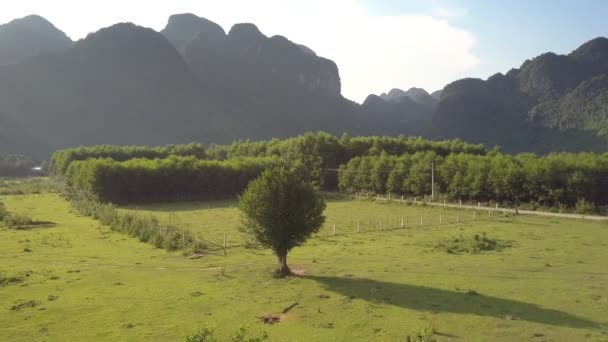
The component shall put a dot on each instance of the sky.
(377, 44)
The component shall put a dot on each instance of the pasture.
(80, 281)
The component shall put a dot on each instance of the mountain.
(193, 81)
(123, 84)
(417, 94)
(272, 81)
(246, 58)
(551, 103)
(130, 85)
(394, 115)
(30, 36)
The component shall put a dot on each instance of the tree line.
(559, 179)
(315, 153)
(61, 159)
(171, 178)
(310, 153)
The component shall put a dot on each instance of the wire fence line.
(427, 200)
(380, 223)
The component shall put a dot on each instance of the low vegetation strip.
(146, 228)
(168, 179)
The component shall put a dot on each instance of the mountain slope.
(551, 103)
(29, 36)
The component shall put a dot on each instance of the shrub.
(13, 220)
(3, 211)
(584, 207)
(145, 228)
(208, 335)
(476, 244)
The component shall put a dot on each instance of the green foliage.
(202, 335)
(166, 235)
(584, 207)
(316, 152)
(62, 159)
(171, 178)
(476, 244)
(208, 335)
(281, 211)
(24, 186)
(555, 180)
(14, 220)
(3, 211)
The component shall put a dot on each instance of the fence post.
(388, 196)
(478, 204)
(457, 218)
(444, 203)
(504, 213)
(440, 219)
(334, 229)
(225, 240)
(406, 222)
(420, 220)
(402, 222)
(415, 200)
(460, 203)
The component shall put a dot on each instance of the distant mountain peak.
(592, 51)
(417, 94)
(184, 28)
(246, 31)
(29, 36)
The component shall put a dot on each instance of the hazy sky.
(377, 44)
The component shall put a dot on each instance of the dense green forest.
(317, 154)
(554, 180)
(400, 165)
(311, 153)
(61, 159)
(171, 178)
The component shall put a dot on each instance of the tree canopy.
(281, 211)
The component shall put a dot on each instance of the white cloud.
(374, 53)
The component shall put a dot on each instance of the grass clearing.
(375, 285)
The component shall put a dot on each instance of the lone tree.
(281, 211)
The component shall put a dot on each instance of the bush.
(474, 245)
(145, 228)
(13, 220)
(3, 211)
(584, 207)
(208, 335)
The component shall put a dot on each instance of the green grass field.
(82, 282)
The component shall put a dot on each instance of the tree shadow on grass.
(438, 300)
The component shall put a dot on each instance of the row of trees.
(316, 153)
(552, 180)
(311, 154)
(172, 178)
(62, 159)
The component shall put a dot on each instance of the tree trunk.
(282, 269)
